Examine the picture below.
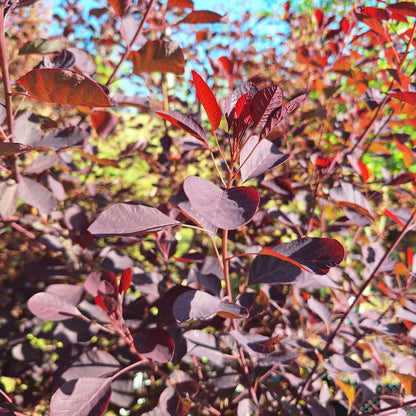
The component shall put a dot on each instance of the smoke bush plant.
(233, 302)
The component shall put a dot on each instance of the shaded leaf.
(208, 100)
(92, 363)
(51, 307)
(198, 305)
(228, 209)
(265, 156)
(323, 311)
(8, 199)
(203, 16)
(186, 123)
(350, 197)
(155, 344)
(7, 149)
(171, 403)
(130, 218)
(35, 194)
(41, 163)
(87, 396)
(158, 56)
(256, 344)
(406, 8)
(42, 46)
(64, 86)
(63, 138)
(316, 255)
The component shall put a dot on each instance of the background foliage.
(264, 336)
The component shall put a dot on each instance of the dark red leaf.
(7, 149)
(376, 12)
(265, 103)
(88, 396)
(198, 305)
(103, 122)
(130, 218)
(125, 280)
(203, 16)
(406, 96)
(51, 307)
(186, 123)
(319, 16)
(181, 4)
(227, 209)
(266, 156)
(64, 86)
(405, 8)
(155, 344)
(345, 25)
(208, 100)
(158, 56)
(276, 118)
(120, 6)
(316, 255)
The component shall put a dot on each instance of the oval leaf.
(198, 305)
(316, 255)
(158, 56)
(7, 149)
(64, 86)
(208, 100)
(88, 396)
(155, 344)
(51, 307)
(265, 103)
(203, 16)
(63, 138)
(264, 157)
(227, 209)
(35, 194)
(8, 199)
(186, 123)
(130, 218)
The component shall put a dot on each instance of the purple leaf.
(71, 293)
(265, 103)
(186, 123)
(88, 396)
(35, 194)
(129, 218)
(227, 209)
(198, 305)
(155, 344)
(51, 307)
(351, 198)
(92, 363)
(317, 255)
(256, 344)
(63, 138)
(278, 116)
(172, 404)
(8, 199)
(246, 88)
(320, 309)
(42, 163)
(182, 202)
(266, 156)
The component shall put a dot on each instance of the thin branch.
(129, 46)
